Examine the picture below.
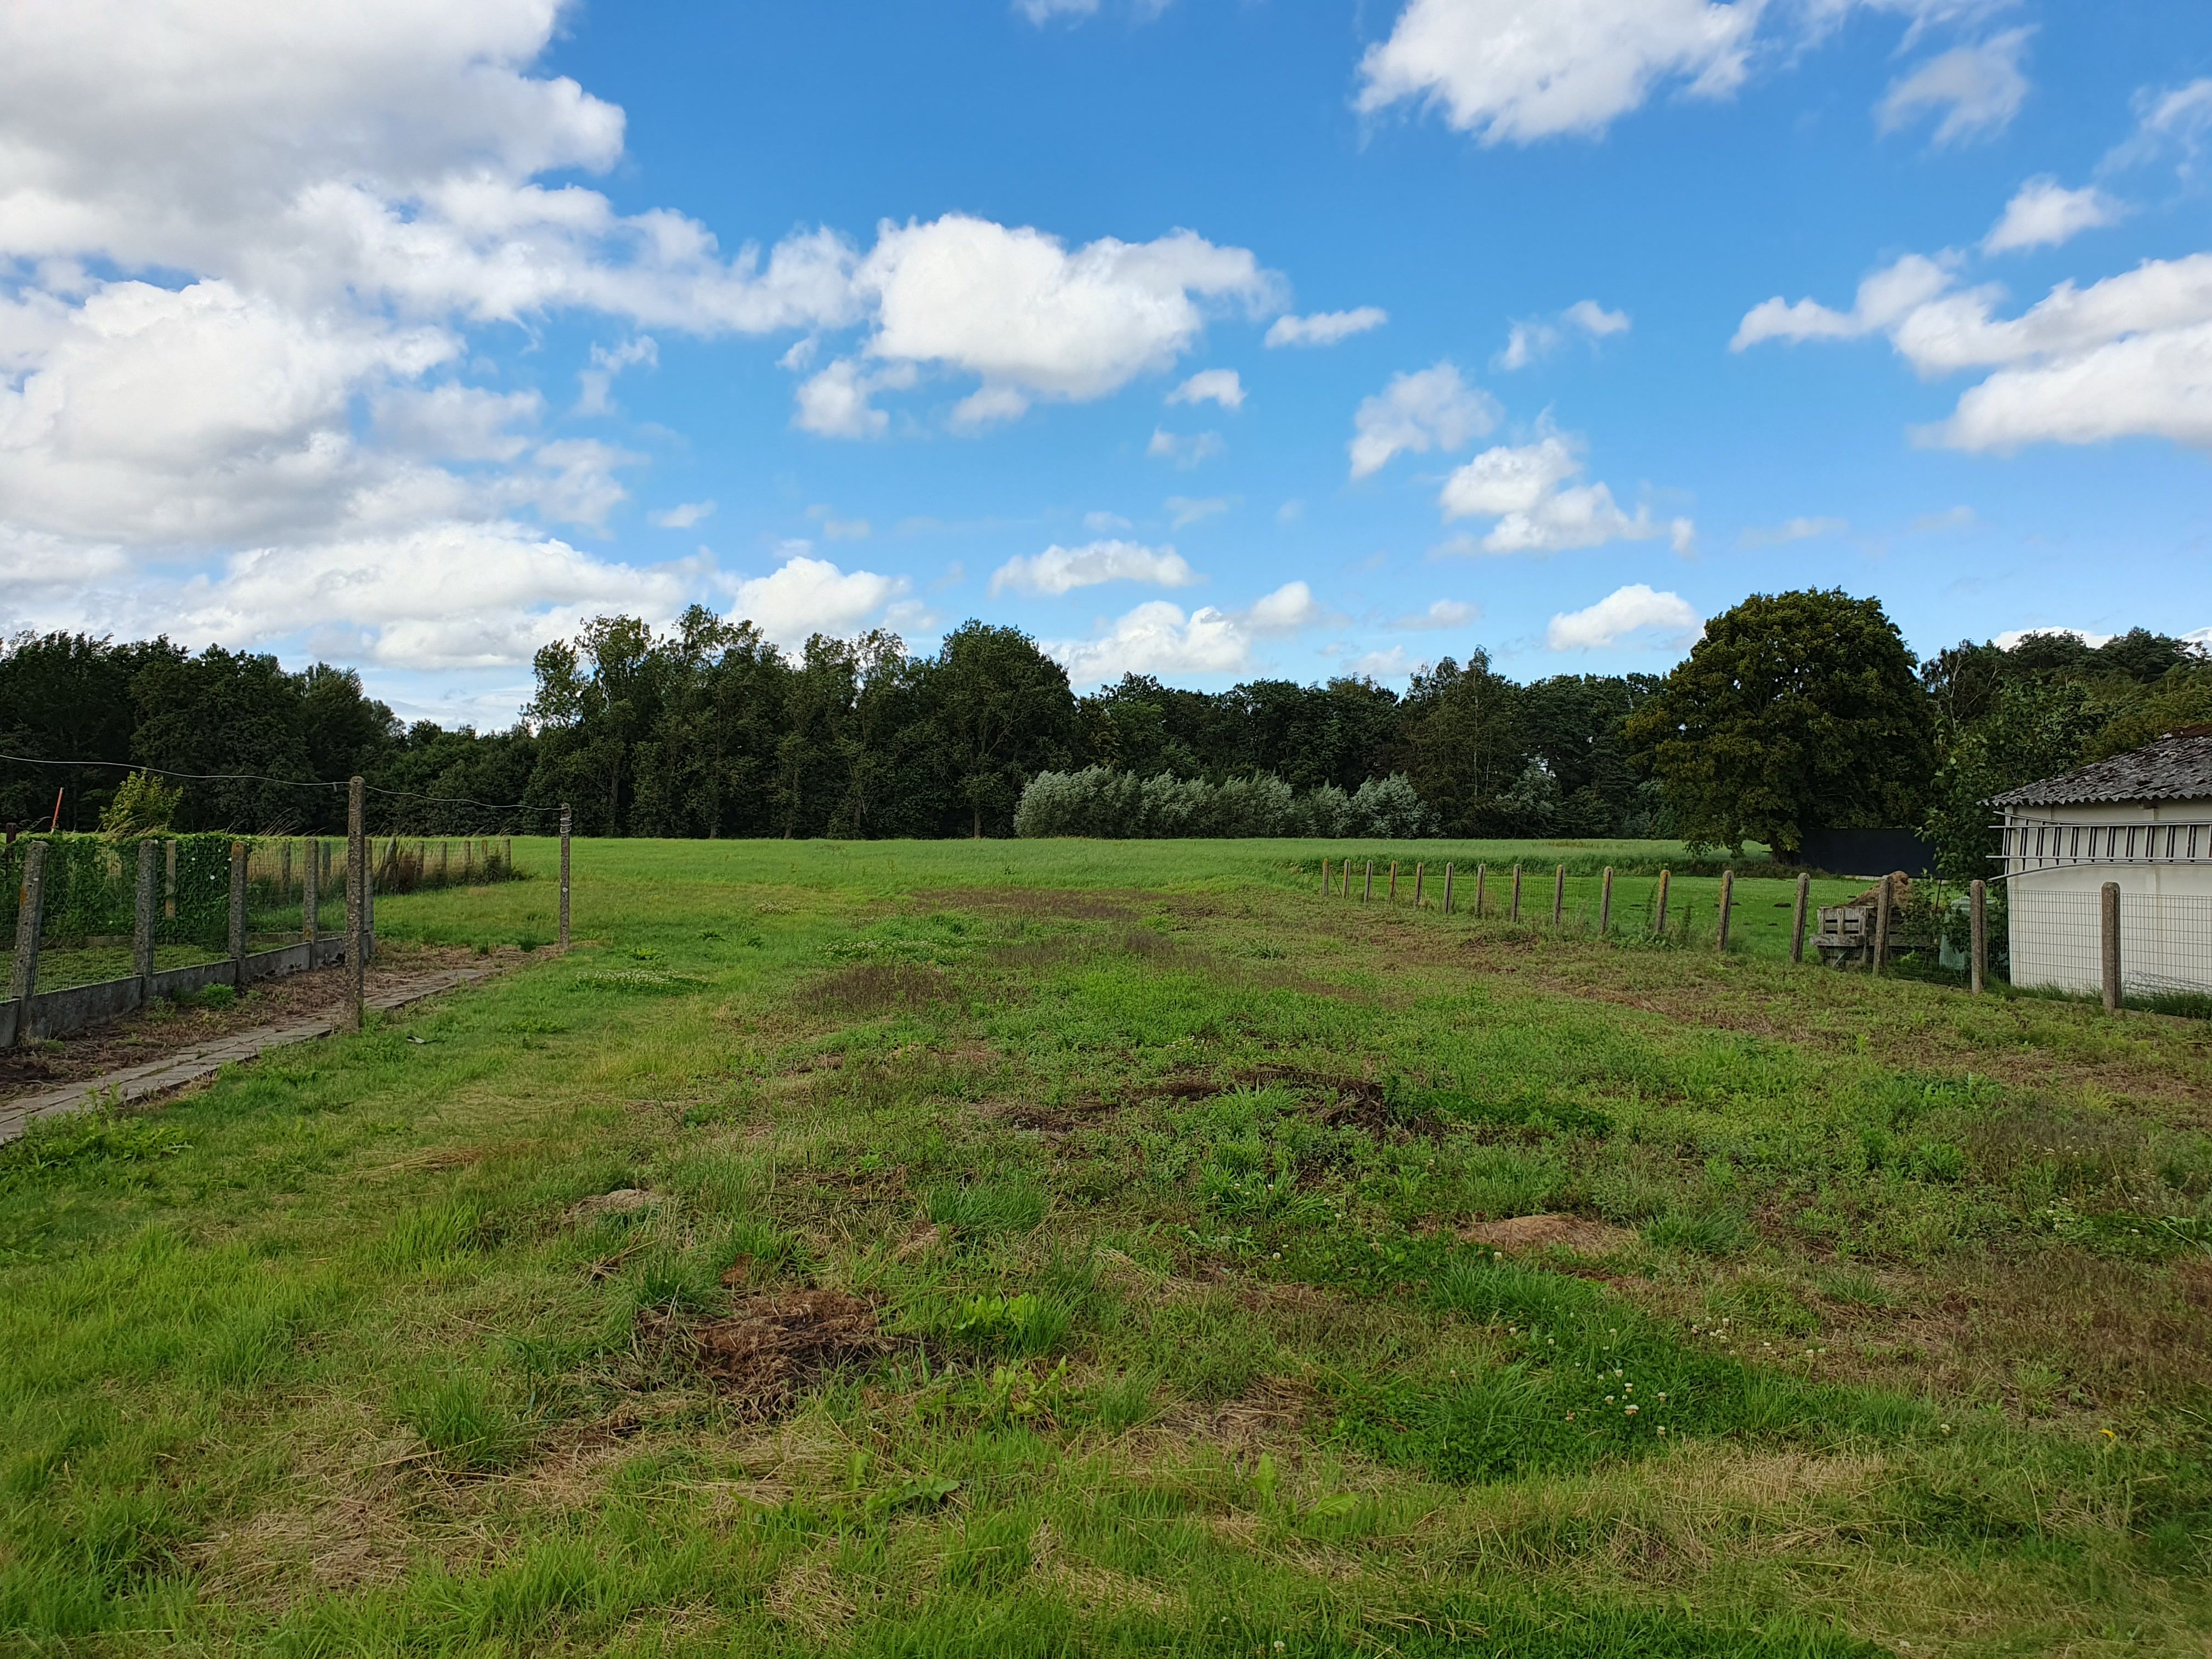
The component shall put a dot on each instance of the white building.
(2143, 820)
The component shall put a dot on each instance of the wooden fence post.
(1659, 905)
(1880, 928)
(30, 916)
(1421, 871)
(237, 916)
(1605, 903)
(2108, 928)
(1367, 887)
(1448, 895)
(1798, 921)
(1515, 915)
(141, 925)
(564, 876)
(355, 909)
(1977, 936)
(1481, 887)
(1559, 895)
(1727, 905)
(1394, 881)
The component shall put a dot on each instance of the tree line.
(1794, 709)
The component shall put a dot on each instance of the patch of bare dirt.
(624, 1201)
(775, 1345)
(147, 1035)
(1534, 1232)
(884, 987)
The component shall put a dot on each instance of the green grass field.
(1039, 1248)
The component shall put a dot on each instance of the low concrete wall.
(79, 1007)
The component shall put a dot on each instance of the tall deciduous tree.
(1003, 712)
(1794, 710)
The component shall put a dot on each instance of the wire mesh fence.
(89, 914)
(2057, 941)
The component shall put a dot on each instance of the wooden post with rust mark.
(30, 917)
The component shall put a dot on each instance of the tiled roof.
(2177, 767)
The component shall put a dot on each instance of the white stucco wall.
(2165, 908)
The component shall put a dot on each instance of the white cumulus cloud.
(805, 596)
(1441, 613)
(1157, 637)
(1516, 70)
(1433, 408)
(1325, 328)
(1978, 88)
(2043, 213)
(1219, 385)
(1539, 336)
(682, 515)
(1529, 490)
(1063, 570)
(1667, 619)
(1031, 317)
(2130, 355)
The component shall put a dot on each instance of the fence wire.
(89, 916)
(2057, 941)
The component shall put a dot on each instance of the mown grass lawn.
(1014, 1248)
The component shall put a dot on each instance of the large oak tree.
(1795, 711)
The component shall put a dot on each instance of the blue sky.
(408, 339)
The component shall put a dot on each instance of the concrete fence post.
(2108, 921)
(1881, 903)
(30, 917)
(1516, 893)
(564, 877)
(1559, 895)
(311, 894)
(1605, 902)
(238, 914)
(142, 924)
(1797, 919)
(357, 907)
(1448, 886)
(1977, 936)
(1727, 906)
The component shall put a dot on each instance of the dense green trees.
(1795, 709)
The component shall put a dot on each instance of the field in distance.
(1055, 1247)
